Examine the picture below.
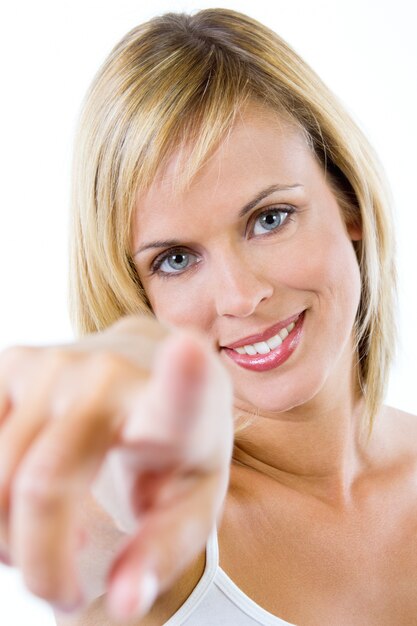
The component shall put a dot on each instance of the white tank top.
(217, 601)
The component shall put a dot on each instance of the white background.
(365, 51)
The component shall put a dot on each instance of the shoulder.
(393, 412)
(397, 430)
(395, 418)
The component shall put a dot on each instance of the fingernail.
(127, 599)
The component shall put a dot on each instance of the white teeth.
(262, 347)
(283, 333)
(274, 342)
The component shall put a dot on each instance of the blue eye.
(174, 262)
(272, 219)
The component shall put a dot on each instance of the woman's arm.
(144, 421)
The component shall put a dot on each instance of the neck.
(318, 448)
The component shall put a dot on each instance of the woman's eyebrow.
(161, 243)
(263, 194)
(171, 243)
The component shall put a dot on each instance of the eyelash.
(157, 262)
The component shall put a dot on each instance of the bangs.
(188, 116)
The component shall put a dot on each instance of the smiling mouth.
(263, 347)
(264, 342)
(275, 348)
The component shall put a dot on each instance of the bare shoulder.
(166, 605)
(400, 429)
(399, 413)
(397, 417)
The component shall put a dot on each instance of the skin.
(302, 475)
(307, 410)
(308, 498)
(124, 414)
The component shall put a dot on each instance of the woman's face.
(256, 240)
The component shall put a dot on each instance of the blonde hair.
(180, 80)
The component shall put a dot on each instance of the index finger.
(190, 401)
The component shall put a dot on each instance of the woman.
(220, 189)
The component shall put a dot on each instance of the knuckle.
(39, 487)
(15, 354)
(106, 364)
(57, 358)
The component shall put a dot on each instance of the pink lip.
(266, 334)
(274, 358)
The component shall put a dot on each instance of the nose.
(239, 286)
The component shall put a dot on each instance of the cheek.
(174, 305)
(326, 265)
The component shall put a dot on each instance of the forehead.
(261, 149)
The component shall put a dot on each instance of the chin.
(284, 395)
